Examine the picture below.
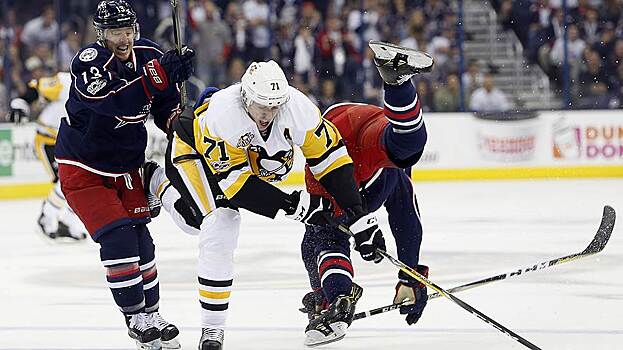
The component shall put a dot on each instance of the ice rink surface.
(54, 296)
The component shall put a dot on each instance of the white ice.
(53, 295)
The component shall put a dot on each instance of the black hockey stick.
(595, 246)
(175, 7)
(413, 273)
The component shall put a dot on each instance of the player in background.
(382, 142)
(116, 83)
(228, 157)
(57, 219)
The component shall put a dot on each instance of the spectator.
(473, 77)
(235, 71)
(41, 30)
(372, 83)
(417, 30)
(489, 98)
(213, 36)
(575, 47)
(68, 48)
(590, 26)
(593, 80)
(327, 95)
(447, 98)
(425, 96)
(257, 14)
(605, 45)
(238, 27)
(615, 58)
(304, 53)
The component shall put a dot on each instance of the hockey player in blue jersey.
(116, 83)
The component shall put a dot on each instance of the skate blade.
(152, 345)
(171, 344)
(316, 338)
(418, 59)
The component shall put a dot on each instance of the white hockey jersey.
(55, 91)
(233, 147)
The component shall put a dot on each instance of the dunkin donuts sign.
(592, 141)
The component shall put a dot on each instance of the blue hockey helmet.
(111, 14)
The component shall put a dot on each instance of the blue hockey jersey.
(107, 109)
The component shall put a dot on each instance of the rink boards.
(555, 144)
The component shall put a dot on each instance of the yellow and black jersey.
(232, 146)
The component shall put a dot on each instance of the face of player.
(120, 41)
(262, 115)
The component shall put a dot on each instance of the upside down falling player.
(382, 142)
(57, 219)
(227, 157)
(116, 83)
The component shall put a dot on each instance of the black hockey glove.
(368, 236)
(408, 288)
(308, 208)
(19, 110)
(178, 67)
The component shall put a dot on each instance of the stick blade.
(603, 233)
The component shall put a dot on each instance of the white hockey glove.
(308, 208)
(368, 236)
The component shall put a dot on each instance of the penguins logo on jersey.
(270, 168)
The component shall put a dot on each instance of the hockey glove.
(408, 288)
(308, 208)
(19, 110)
(170, 68)
(368, 236)
(179, 67)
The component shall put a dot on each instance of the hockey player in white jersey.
(228, 156)
(56, 218)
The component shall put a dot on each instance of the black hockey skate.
(168, 331)
(146, 335)
(397, 64)
(313, 304)
(152, 200)
(211, 339)
(331, 325)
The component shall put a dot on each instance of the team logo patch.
(88, 55)
(96, 86)
(271, 168)
(245, 140)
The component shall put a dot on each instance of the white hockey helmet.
(264, 83)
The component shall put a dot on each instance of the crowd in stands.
(595, 45)
(322, 44)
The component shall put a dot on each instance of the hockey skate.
(146, 335)
(331, 325)
(313, 304)
(168, 332)
(211, 339)
(53, 227)
(152, 200)
(397, 64)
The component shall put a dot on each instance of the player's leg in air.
(404, 138)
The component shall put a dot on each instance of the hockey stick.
(413, 273)
(175, 7)
(595, 246)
